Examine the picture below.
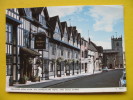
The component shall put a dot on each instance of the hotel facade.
(41, 46)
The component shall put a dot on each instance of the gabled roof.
(63, 25)
(92, 46)
(37, 10)
(46, 14)
(82, 38)
(52, 21)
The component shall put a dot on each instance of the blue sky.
(97, 22)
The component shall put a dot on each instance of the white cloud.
(79, 30)
(105, 45)
(63, 10)
(105, 17)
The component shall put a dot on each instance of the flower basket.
(38, 62)
(23, 80)
(35, 79)
(59, 60)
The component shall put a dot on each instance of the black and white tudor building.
(60, 54)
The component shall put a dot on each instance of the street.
(104, 79)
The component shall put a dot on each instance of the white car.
(105, 69)
(122, 82)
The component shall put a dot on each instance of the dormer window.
(28, 12)
(42, 19)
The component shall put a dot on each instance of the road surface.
(104, 79)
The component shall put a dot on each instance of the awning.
(28, 52)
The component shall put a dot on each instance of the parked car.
(105, 69)
(122, 82)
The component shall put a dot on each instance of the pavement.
(52, 81)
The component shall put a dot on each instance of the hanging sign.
(40, 41)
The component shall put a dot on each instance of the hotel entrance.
(26, 64)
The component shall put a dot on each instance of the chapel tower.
(117, 46)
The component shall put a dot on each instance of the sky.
(99, 22)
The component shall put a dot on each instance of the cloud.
(63, 10)
(79, 30)
(105, 17)
(105, 45)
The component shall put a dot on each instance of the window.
(53, 50)
(42, 20)
(57, 30)
(9, 33)
(86, 54)
(82, 54)
(28, 12)
(26, 38)
(13, 13)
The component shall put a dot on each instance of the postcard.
(65, 49)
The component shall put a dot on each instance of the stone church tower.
(117, 46)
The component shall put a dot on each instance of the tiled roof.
(52, 21)
(37, 10)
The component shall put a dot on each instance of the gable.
(25, 12)
(57, 28)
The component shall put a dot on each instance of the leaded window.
(53, 50)
(8, 33)
(42, 20)
(28, 12)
